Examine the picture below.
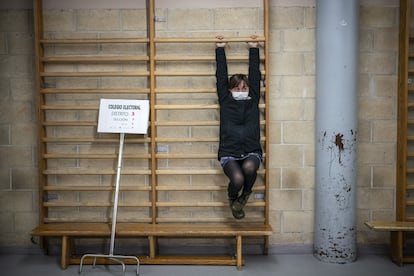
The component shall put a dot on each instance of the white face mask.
(240, 95)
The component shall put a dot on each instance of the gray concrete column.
(336, 130)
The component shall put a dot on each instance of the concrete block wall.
(377, 118)
(292, 105)
(18, 130)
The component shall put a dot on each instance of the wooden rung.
(204, 204)
(190, 188)
(77, 123)
(192, 73)
(93, 40)
(76, 204)
(190, 90)
(189, 172)
(143, 188)
(142, 140)
(191, 106)
(192, 204)
(94, 59)
(94, 220)
(391, 225)
(185, 90)
(69, 107)
(94, 204)
(201, 58)
(185, 106)
(192, 140)
(201, 188)
(95, 156)
(183, 73)
(186, 156)
(186, 140)
(158, 107)
(94, 172)
(95, 74)
(92, 140)
(194, 172)
(204, 40)
(184, 58)
(94, 91)
(188, 123)
(96, 188)
(193, 123)
(208, 220)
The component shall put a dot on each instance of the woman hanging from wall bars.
(240, 152)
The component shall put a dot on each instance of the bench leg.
(44, 245)
(152, 247)
(397, 243)
(64, 261)
(266, 246)
(239, 256)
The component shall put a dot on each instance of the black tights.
(242, 175)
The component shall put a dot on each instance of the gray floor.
(257, 265)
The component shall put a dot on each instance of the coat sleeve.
(254, 73)
(221, 73)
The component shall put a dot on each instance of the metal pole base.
(115, 258)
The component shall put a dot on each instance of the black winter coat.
(239, 120)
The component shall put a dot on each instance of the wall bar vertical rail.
(153, 114)
(38, 25)
(402, 121)
(267, 113)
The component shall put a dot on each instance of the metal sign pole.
(118, 178)
(111, 256)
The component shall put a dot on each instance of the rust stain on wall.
(339, 142)
(339, 146)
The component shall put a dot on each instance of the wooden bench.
(397, 230)
(70, 231)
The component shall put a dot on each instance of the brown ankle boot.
(238, 204)
(238, 214)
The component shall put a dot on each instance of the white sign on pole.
(123, 116)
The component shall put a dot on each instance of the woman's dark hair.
(236, 79)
